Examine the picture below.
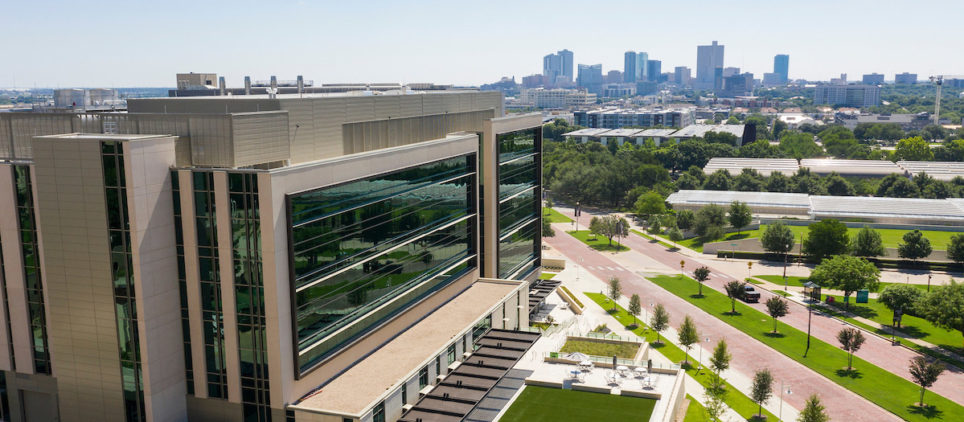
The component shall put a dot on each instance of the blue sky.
(141, 43)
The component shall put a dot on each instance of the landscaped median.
(597, 242)
(877, 385)
(735, 399)
(554, 216)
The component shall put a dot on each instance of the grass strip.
(596, 348)
(658, 240)
(554, 216)
(877, 385)
(599, 243)
(735, 399)
(538, 404)
(695, 412)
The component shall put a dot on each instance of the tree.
(867, 242)
(813, 411)
(659, 320)
(701, 274)
(720, 361)
(674, 234)
(595, 226)
(688, 336)
(826, 238)
(944, 306)
(615, 291)
(955, 249)
(925, 373)
(719, 180)
(740, 215)
(547, 230)
(800, 145)
(715, 400)
(915, 246)
(685, 219)
(635, 307)
(838, 186)
(777, 307)
(848, 273)
(653, 225)
(913, 149)
(707, 218)
(650, 203)
(900, 297)
(850, 340)
(777, 238)
(734, 289)
(778, 127)
(762, 389)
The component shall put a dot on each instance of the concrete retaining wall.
(538, 383)
(581, 387)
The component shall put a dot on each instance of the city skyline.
(294, 37)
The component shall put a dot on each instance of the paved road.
(749, 354)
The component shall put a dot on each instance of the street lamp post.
(929, 282)
(682, 266)
(699, 367)
(785, 255)
(749, 267)
(789, 392)
(809, 318)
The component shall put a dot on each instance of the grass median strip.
(877, 385)
(597, 242)
(554, 216)
(695, 412)
(660, 241)
(735, 399)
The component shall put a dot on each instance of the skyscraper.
(781, 66)
(557, 66)
(654, 69)
(590, 77)
(642, 65)
(708, 59)
(629, 66)
(682, 75)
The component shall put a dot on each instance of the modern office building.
(557, 68)
(556, 98)
(847, 95)
(682, 75)
(590, 78)
(781, 67)
(654, 70)
(613, 77)
(873, 79)
(259, 258)
(905, 78)
(737, 85)
(709, 65)
(635, 66)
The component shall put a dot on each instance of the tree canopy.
(826, 238)
(847, 273)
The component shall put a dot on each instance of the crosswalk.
(602, 268)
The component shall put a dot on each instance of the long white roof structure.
(850, 167)
(725, 197)
(765, 166)
(940, 170)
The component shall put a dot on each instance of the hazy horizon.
(135, 44)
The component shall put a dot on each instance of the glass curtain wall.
(182, 283)
(519, 174)
(212, 312)
(33, 281)
(359, 245)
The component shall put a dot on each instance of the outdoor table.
(622, 369)
(640, 371)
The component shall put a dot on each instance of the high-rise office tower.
(730, 71)
(873, 79)
(556, 67)
(590, 77)
(682, 75)
(654, 69)
(781, 66)
(254, 258)
(708, 59)
(629, 66)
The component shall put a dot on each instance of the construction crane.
(939, 80)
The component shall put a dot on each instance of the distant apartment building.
(557, 98)
(619, 90)
(709, 66)
(781, 67)
(613, 118)
(282, 258)
(847, 95)
(682, 75)
(905, 78)
(737, 85)
(557, 68)
(590, 78)
(873, 79)
(532, 81)
(613, 77)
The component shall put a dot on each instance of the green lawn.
(597, 242)
(546, 276)
(695, 411)
(912, 326)
(572, 296)
(537, 404)
(887, 390)
(792, 280)
(890, 237)
(623, 350)
(554, 216)
(650, 237)
(735, 399)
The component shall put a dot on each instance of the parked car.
(750, 294)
